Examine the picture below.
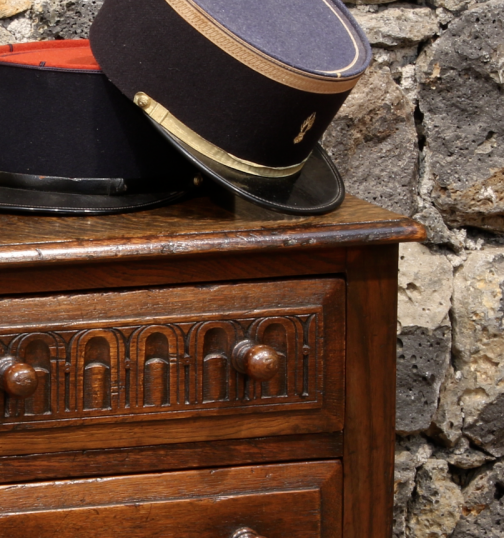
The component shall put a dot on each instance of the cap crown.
(313, 36)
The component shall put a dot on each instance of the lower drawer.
(300, 500)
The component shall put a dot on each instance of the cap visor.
(317, 189)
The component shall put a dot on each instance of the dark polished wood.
(245, 532)
(160, 432)
(161, 357)
(17, 379)
(120, 461)
(370, 380)
(258, 361)
(277, 500)
(162, 271)
(131, 325)
(195, 227)
(172, 244)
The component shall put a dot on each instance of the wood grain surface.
(194, 227)
(165, 354)
(121, 273)
(130, 322)
(370, 386)
(275, 500)
(120, 461)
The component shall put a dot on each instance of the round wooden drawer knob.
(17, 378)
(245, 532)
(258, 361)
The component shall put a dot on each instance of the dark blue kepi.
(244, 90)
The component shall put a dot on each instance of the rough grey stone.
(423, 358)
(5, 36)
(424, 342)
(452, 5)
(21, 29)
(425, 287)
(444, 16)
(484, 524)
(396, 58)
(463, 455)
(484, 486)
(461, 95)
(397, 25)
(408, 82)
(414, 448)
(437, 230)
(64, 19)
(368, 2)
(401, 62)
(447, 422)
(411, 452)
(9, 8)
(488, 429)
(478, 343)
(483, 509)
(373, 141)
(436, 506)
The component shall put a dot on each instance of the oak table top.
(196, 226)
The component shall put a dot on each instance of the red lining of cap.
(62, 54)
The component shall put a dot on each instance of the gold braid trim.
(258, 60)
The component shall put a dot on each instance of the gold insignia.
(307, 125)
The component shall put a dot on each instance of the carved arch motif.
(93, 370)
(210, 345)
(162, 368)
(42, 351)
(286, 336)
(155, 353)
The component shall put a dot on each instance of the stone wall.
(422, 134)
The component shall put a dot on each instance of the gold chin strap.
(175, 127)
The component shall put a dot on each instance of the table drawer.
(155, 365)
(296, 500)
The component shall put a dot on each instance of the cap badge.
(307, 125)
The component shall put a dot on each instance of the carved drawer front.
(272, 501)
(174, 354)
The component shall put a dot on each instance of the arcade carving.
(163, 369)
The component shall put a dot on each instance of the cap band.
(175, 127)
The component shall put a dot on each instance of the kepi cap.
(244, 89)
(72, 143)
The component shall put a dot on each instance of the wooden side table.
(194, 371)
